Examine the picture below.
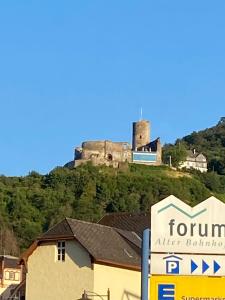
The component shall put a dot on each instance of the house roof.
(194, 154)
(136, 222)
(105, 244)
(10, 262)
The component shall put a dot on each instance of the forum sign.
(180, 228)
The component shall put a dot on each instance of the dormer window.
(61, 250)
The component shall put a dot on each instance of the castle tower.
(141, 134)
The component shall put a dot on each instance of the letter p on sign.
(172, 267)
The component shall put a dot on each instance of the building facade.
(11, 276)
(76, 257)
(195, 160)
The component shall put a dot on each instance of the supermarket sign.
(187, 288)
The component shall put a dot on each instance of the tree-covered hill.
(30, 204)
(211, 142)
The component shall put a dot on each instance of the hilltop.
(31, 204)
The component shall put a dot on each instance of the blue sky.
(81, 70)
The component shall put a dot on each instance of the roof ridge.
(125, 213)
(50, 228)
(76, 237)
(69, 226)
(118, 231)
(97, 224)
(122, 233)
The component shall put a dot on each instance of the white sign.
(179, 228)
(187, 264)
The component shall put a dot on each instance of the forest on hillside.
(30, 205)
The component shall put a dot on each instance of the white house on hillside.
(195, 160)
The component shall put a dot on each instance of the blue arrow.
(205, 266)
(193, 266)
(216, 266)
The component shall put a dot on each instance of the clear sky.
(77, 70)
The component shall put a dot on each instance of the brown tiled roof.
(136, 222)
(104, 243)
(61, 229)
(10, 261)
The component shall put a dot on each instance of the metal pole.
(145, 264)
(170, 161)
(108, 294)
(84, 295)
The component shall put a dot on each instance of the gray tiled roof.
(61, 229)
(136, 222)
(104, 243)
(192, 154)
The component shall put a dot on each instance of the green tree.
(177, 153)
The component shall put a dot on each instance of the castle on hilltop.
(109, 153)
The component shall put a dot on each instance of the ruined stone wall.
(104, 152)
(159, 152)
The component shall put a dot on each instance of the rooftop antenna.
(141, 114)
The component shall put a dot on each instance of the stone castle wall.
(103, 152)
(113, 153)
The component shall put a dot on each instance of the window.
(61, 250)
(17, 276)
(9, 275)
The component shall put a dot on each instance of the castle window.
(61, 250)
(140, 136)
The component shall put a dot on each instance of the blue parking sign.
(172, 267)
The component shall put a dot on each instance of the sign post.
(145, 264)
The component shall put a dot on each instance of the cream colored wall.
(49, 279)
(123, 284)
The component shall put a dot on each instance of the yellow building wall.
(50, 279)
(123, 284)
